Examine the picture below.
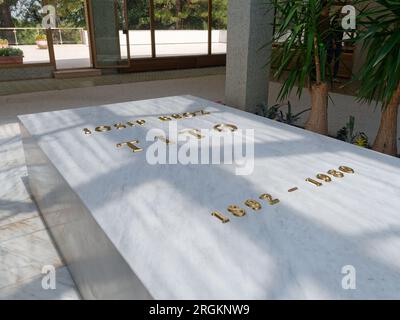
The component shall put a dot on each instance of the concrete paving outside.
(78, 55)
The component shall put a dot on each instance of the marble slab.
(129, 229)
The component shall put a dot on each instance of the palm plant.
(302, 32)
(379, 30)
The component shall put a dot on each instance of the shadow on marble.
(25, 245)
(25, 255)
(31, 289)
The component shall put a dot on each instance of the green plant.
(289, 117)
(347, 134)
(379, 32)
(274, 113)
(361, 140)
(302, 33)
(268, 112)
(11, 52)
(41, 37)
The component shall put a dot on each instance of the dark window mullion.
(209, 27)
(152, 31)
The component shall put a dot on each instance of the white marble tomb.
(128, 229)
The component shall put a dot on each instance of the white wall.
(367, 118)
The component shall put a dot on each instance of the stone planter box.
(11, 60)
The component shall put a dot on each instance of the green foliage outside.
(177, 14)
(180, 15)
(41, 37)
(169, 15)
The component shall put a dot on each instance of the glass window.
(139, 28)
(219, 26)
(22, 39)
(70, 37)
(181, 27)
(110, 33)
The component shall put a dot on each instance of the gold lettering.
(194, 132)
(164, 118)
(201, 113)
(163, 139)
(346, 169)
(315, 183)
(131, 144)
(119, 126)
(253, 204)
(236, 211)
(103, 128)
(188, 115)
(268, 197)
(220, 216)
(324, 177)
(336, 174)
(223, 127)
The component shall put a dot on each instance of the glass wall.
(70, 37)
(219, 26)
(181, 27)
(110, 30)
(139, 28)
(22, 39)
(120, 29)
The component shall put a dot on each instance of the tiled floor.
(28, 86)
(25, 245)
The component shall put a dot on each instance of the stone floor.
(37, 85)
(25, 245)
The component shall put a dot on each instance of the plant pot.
(11, 60)
(41, 44)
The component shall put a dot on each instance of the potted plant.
(41, 41)
(301, 37)
(379, 32)
(3, 43)
(11, 56)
